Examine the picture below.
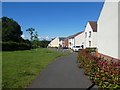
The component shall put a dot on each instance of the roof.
(93, 25)
(61, 38)
(72, 36)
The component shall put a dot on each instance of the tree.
(11, 30)
(11, 36)
(44, 43)
(0, 30)
(36, 40)
(33, 37)
(30, 30)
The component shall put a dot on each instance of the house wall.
(93, 37)
(79, 39)
(54, 43)
(108, 30)
(65, 42)
(72, 41)
(61, 42)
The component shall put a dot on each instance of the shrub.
(103, 73)
(91, 49)
(11, 46)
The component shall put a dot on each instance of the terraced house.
(102, 34)
(71, 40)
(79, 39)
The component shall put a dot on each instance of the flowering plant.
(104, 73)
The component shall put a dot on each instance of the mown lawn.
(21, 67)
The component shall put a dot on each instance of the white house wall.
(54, 43)
(79, 39)
(72, 41)
(108, 30)
(93, 37)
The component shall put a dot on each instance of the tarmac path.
(62, 73)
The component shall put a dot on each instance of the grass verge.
(19, 68)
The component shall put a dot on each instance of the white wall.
(54, 43)
(72, 41)
(108, 30)
(79, 39)
(61, 42)
(93, 37)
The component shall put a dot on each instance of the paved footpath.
(62, 73)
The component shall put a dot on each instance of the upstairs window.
(89, 34)
(85, 34)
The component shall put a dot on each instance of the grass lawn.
(19, 68)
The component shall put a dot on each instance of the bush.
(91, 49)
(102, 72)
(12, 46)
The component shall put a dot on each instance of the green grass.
(21, 67)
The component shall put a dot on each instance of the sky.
(52, 19)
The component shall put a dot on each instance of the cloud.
(44, 37)
(24, 37)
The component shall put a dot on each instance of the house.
(65, 42)
(90, 35)
(57, 42)
(108, 31)
(61, 41)
(71, 40)
(79, 39)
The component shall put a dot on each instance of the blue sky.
(52, 19)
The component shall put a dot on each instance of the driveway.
(62, 73)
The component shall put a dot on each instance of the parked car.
(76, 48)
(65, 47)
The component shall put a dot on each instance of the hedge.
(12, 46)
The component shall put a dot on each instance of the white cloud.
(24, 37)
(44, 37)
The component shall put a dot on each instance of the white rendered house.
(79, 39)
(108, 30)
(71, 40)
(90, 35)
(56, 42)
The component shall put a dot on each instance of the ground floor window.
(89, 43)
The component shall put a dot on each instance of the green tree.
(31, 31)
(0, 30)
(36, 40)
(44, 43)
(11, 30)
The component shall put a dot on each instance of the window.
(77, 46)
(89, 43)
(89, 34)
(85, 34)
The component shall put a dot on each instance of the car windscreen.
(77, 46)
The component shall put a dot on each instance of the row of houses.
(86, 38)
(101, 34)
